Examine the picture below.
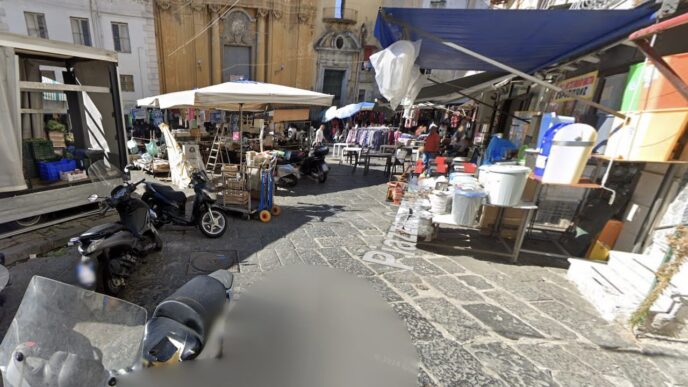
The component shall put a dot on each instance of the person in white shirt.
(319, 135)
(291, 132)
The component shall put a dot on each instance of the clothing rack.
(370, 136)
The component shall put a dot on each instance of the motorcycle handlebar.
(105, 209)
(134, 185)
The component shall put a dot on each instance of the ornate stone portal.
(238, 29)
(338, 55)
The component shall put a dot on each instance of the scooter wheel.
(276, 210)
(265, 216)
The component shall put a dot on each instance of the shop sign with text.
(582, 86)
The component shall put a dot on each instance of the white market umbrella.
(240, 95)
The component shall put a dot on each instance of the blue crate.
(50, 170)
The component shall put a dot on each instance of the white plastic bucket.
(505, 184)
(439, 202)
(465, 206)
(461, 178)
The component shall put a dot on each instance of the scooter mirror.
(93, 198)
(127, 172)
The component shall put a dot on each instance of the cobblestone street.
(474, 320)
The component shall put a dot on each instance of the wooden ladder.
(215, 156)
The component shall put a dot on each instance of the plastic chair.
(399, 159)
(420, 166)
(440, 165)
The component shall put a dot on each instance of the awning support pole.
(531, 78)
(476, 99)
(662, 66)
(241, 136)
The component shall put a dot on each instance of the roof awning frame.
(499, 65)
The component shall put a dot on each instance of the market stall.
(467, 44)
(60, 111)
(246, 186)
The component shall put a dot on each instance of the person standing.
(319, 136)
(431, 146)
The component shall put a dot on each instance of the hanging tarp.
(11, 173)
(347, 111)
(527, 40)
(252, 96)
(395, 71)
(180, 168)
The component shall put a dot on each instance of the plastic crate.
(41, 150)
(50, 170)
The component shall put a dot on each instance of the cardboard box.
(530, 190)
(511, 216)
(508, 232)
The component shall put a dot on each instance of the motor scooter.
(314, 165)
(286, 175)
(63, 335)
(170, 206)
(111, 252)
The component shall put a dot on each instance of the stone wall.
(668, 315)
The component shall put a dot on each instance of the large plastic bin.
(569, 152)
(50, 170)
(465, 205)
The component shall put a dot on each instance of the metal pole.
(241, 135)
(475, 99)
(534, 79)
(663, 67)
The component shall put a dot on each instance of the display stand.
(511, 252)
(264, 207)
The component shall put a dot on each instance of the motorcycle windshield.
(57, 321)
(105, 175)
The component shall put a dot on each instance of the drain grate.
(209, 261)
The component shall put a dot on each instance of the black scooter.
(314, 165)
(170, 206)
(110, 252)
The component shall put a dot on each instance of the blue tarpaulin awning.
(527, 40)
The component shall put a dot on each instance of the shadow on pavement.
(248, 245)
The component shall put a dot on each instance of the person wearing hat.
(431, 146)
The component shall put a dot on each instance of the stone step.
(631, 291)
(614, 291)
(649, 263)
(641, 269)
(603, 296)
(628, 267)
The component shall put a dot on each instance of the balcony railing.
(340, 15)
